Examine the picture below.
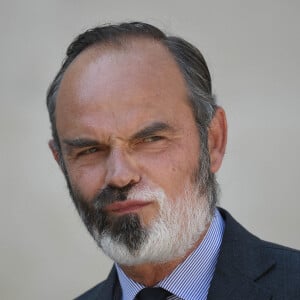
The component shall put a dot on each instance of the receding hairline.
(125, 45)
(122, 43)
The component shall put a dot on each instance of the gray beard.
(126, 229)
(127, 242)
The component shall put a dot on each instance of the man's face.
(128, 140)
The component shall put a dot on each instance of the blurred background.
(252, 49)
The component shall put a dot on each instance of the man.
(139, 138)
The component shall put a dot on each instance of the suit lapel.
(110, 289)
(231, 284)
(241, 264)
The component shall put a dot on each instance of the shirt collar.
(191, 279)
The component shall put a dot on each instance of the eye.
(89, 151)
(151, 139)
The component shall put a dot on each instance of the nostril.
(123, 197)
(118, 193)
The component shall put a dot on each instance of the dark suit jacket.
(247, 269)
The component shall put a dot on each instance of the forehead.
(132, 80)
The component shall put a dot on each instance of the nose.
(121, 169)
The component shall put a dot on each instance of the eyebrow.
(152, 129)
(145, 132)
(80, 143)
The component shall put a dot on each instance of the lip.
(126, 207)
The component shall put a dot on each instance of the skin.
(123, 117)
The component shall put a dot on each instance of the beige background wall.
(252, 48)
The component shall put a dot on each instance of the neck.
(149, 274)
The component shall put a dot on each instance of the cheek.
(171, 170)
(88, 180)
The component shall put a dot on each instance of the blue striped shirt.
(191, 279)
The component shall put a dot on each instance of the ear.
(217, 139)
(55, 151)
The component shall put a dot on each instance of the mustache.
(111, 194)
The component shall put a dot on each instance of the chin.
(162, 235)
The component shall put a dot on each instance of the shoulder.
(236, 234)
(273, 267)
(92, 293)
(104, 290)
(283, 278)
(287, 261)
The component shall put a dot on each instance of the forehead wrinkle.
(143, 51)
(151, 56)
(157, 65)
